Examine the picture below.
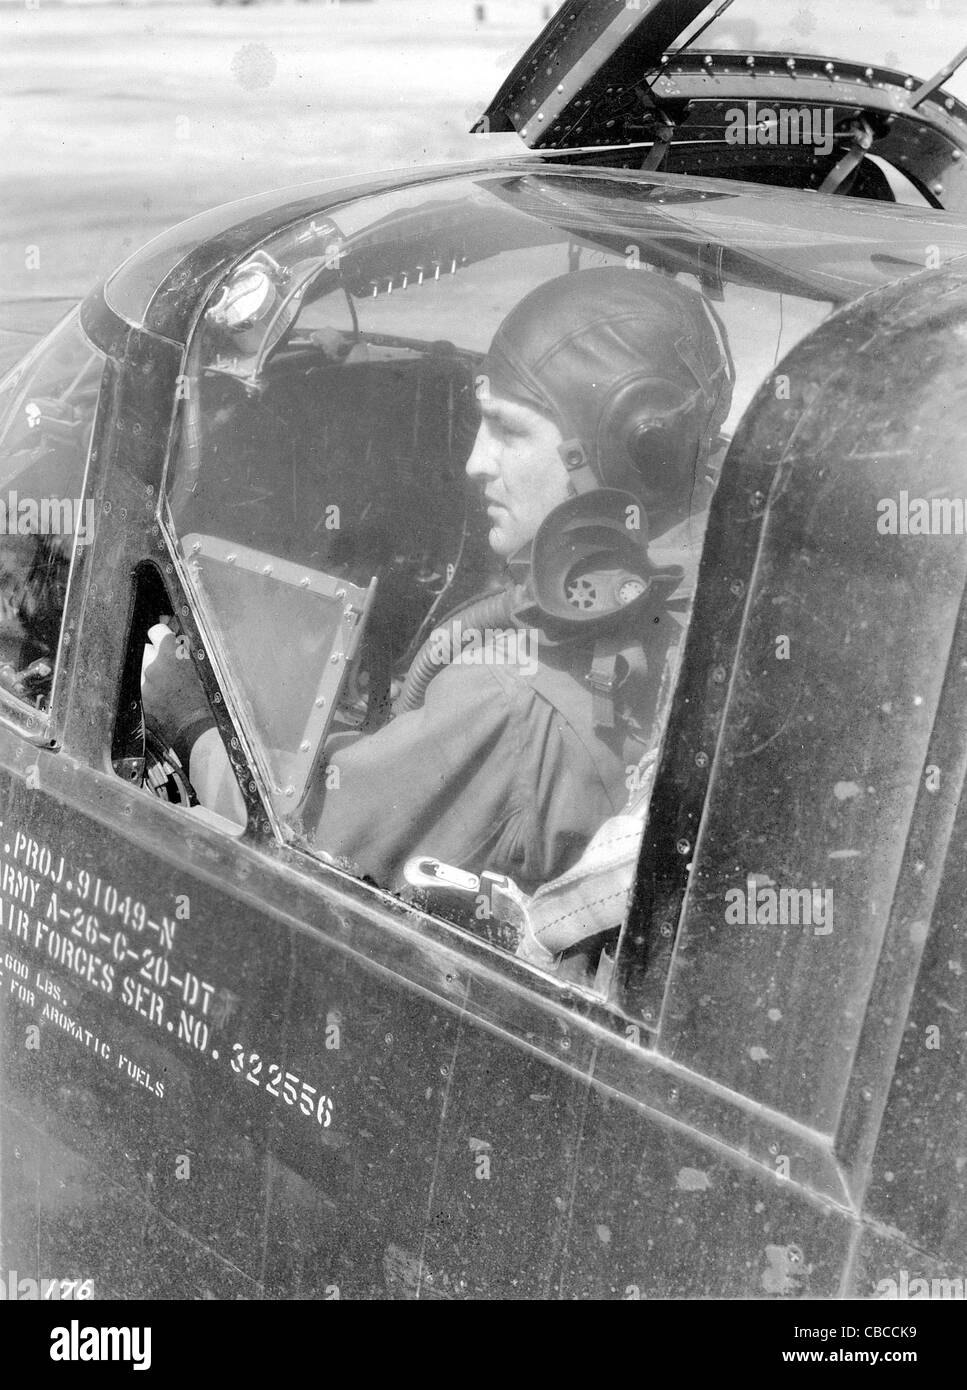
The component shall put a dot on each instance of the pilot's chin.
(499, 541)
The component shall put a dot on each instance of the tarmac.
(119, 121)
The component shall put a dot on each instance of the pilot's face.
(517, 462)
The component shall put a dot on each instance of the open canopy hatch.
(788, 97)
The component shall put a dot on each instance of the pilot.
(601, 401)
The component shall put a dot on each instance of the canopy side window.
(406, 687)
(453, 671)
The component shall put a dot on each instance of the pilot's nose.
(482, 463)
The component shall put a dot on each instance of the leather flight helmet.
(635, 371)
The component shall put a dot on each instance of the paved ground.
(118, 122)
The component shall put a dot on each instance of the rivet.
(750, 61)
(737, 588)
(791, 64)
(908, 83)
(829, 68)
(683, 846)
(868, 74)
(304, 746)
(718, 675)
(701, 760)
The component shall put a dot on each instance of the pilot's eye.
(508, 426)
(498, 424)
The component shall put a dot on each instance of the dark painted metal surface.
(818, 766)
(588, 42)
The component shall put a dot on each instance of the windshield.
(440, 488)
(912, 36)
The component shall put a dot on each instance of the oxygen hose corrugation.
(492, 611)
